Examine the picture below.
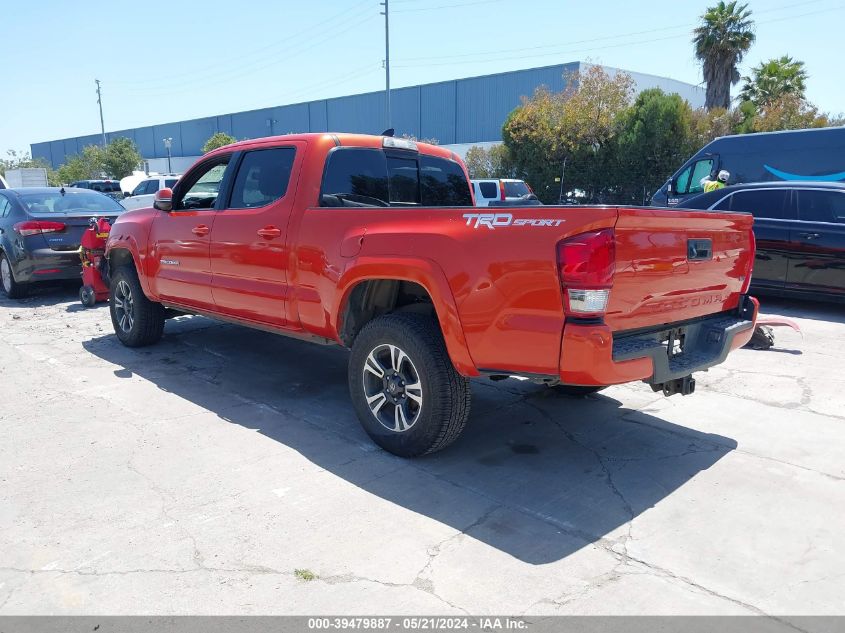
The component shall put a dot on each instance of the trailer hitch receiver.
(684, 386)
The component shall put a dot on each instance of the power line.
(276, 47)
(590, 40)
(488, 59)
(447, 6)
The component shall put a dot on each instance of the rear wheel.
(405, 390)
(137, 321)
(11, 288)
(577, 391)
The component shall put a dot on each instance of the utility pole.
(386, 15)
(167, 143)
(100, 103)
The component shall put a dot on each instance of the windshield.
(516, 189)
(82, 201)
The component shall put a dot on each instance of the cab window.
(203, 186)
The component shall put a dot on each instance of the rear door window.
(821, 206)
(489, 189)
(355, 177)
(170, 182)
(263, 177)
(762, 203)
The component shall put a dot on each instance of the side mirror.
(126, 194)
(164, 200)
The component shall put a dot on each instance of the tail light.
(35, 227)
(502, 189)
(587, 264)
(752, 247)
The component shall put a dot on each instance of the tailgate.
(677, 265)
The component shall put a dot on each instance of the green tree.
(655, 135)
(494, 162)
(218, 139)
(120, 158)
(772, 79)
(726, 33)
(84, 166)
(577, 126)
(788, 112)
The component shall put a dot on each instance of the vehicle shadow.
(45, 294)
(803, 309)
(580, 467)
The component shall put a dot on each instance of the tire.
(575, 391)
(87, 297)
(11, 288)
(419, 404)
(763, 338)
(137, 321)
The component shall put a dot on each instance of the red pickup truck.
(373, 243)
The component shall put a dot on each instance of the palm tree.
(725, 35)
(772, 79)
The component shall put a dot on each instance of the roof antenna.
(389, 132)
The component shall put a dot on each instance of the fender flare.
(129, 244)
(421, 271)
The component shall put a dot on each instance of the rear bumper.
(593, 355)
(45, 264)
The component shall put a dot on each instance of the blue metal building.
(456, 112)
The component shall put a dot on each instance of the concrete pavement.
(198, 476)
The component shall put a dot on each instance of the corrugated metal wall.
(460, 111)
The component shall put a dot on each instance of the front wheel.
(11, 288)
(407, 394)
(137, 321)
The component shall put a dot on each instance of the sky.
(162, 61)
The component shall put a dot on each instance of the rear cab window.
(515, 189)
(372, 177)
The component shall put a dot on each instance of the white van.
(499, 190)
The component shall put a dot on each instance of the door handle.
(200, 230)
(810, 236)
(269, 232)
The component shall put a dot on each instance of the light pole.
(167, 143)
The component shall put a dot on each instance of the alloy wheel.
(393, 388)
(124, 306)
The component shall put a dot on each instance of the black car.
(40, 232)
(800, 232)
(109, 187)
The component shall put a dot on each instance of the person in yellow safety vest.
(721, 181)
